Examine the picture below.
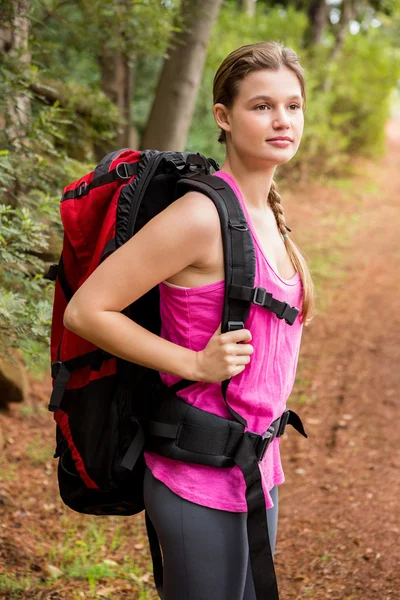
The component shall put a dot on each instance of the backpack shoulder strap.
(239, 252)
(239, 256)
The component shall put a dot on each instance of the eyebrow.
(269, 98)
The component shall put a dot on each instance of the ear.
(221, 116)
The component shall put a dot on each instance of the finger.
(240, 349)
(241, 335)
(237, 370)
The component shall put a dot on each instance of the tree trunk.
(318, 18)
(117, 76)
(172, 110)
(14, 40)
(348, 12)
(248, 6)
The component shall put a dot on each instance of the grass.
(39, 452)
(13, 586)
(85, 549)
(30, 411)
(8, 471)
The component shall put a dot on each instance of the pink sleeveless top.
(190, 316)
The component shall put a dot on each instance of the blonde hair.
(235, 67)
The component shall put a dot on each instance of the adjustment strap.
(261, 560)
(62, 278)
(261, 297)
(57, 270)
(132, 454)
(295, 421)
(62, 371)
(60, 384)
(122, 171)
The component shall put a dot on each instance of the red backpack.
(106, 409)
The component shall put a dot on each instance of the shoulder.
(196, 213)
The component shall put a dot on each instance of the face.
(268, 105)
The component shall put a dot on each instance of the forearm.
(117, 334)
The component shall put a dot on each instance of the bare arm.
(165, 246)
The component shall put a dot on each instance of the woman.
(199, 512)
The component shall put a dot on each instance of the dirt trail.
(340, 519)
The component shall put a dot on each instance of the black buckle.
(52, 273)
(289, 313)
(122, 170)
(235, 325)
(261, 442)
(79, 191)
(55, 368)
(283, 422)
(197, 163)
(264, 295)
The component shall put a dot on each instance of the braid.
(298, 261)
(274, 200)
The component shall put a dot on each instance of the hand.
(225, 356)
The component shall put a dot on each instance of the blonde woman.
(199, 512)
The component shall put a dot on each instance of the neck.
(254, 181)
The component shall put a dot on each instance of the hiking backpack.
(107, 409)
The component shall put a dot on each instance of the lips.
(284, 138)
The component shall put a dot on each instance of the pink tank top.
(190, 316)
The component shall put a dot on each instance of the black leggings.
(206, 555)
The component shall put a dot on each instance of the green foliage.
(347, 98)
(13, 587)
(349, 117)
(70, 36)
(25, 309)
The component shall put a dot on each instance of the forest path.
(339, 521)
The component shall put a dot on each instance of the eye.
(296, 106)
(261, 106)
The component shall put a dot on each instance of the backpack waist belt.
(183, 432)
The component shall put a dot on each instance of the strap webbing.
(136, 446)
(122, 171)
(261, 297)
(239, 253)
(60, 385)
(261, 560)
(61, 372)
(62, 278)
(209, 440)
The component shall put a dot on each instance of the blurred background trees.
(80, 78)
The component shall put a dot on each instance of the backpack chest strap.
(261, 297)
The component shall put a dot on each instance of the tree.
(318, 16)
(248, 6)
(173, 107)
(14, 37)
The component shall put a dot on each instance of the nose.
(281, 120)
